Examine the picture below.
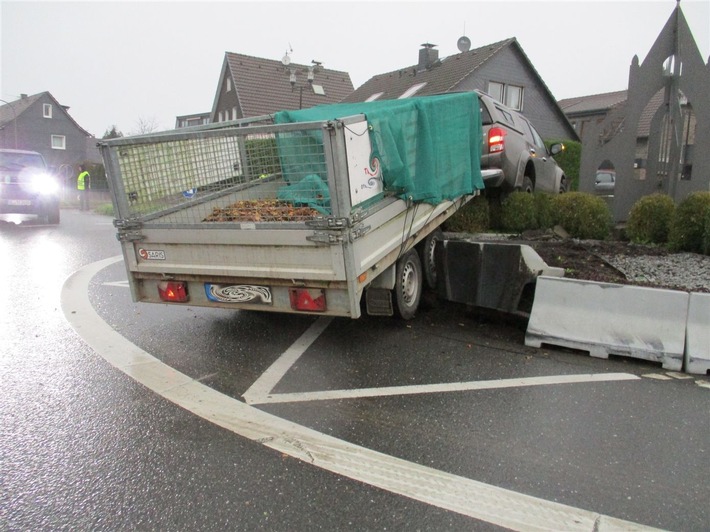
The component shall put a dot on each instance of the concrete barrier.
(488, 274)
(606, 318)
(697, 339)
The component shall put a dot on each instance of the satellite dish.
(464, 44)
(286, 60)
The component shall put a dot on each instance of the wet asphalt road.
(83, 446)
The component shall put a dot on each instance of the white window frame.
(47, 110)
(514, 89)
(374, 97)
(503, 92)
(496, 90)
(229, 84)
(58, 142)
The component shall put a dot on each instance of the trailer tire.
(426, 254)
(408, 285)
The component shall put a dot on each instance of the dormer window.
(47, 110)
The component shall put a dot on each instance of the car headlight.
(44, 184)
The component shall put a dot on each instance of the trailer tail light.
(496, 139)
(173, 291)
(307, 299)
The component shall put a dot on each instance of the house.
(583, 110)
(195, 119)
(251, 86)
(40, 123)
(501, 69)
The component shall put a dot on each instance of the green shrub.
(518, 212)
(650, 219)
(688, 227)
(544, 210)
(569, 160)
(582, 215)
(474, 217)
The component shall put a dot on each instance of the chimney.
(23, 96)
(427, 56)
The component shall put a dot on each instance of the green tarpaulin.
(429, 147)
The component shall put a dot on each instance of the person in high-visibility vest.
(83, 184)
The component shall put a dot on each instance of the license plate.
(18, 202)
(242, 293)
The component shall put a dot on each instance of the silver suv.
(27, 187)
(511, 143)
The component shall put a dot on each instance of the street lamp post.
(14, 113)
(286, 61)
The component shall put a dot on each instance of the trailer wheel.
(408, 285)
(426, 254)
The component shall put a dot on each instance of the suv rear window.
(506, 116)
(486, 119)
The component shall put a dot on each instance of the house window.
(234, 113)
(47, 110)
(514, 97)
(59, 142)
(510, 95)
(374, 96)
(229, 84)
(495, 89)
(411, 91)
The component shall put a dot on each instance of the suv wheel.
(528, 186)
(563, 185)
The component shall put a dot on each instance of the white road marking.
(657, 376)
(120, 284)
(271, 377)
(440, 388)
(468, 497)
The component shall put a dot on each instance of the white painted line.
(657, 376)
(677, 375)
(271, 377)
(120, 284)
(442, 388)
(468, 497)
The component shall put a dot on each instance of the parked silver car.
(511, 143)
(604, 182)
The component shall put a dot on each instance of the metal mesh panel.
(225, 176)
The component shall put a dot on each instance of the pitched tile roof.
(439, 78)
(25, 102)
(263, 85)
(595, 103)
(615, 102)
(17, 107)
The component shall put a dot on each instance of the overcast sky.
(120, 62)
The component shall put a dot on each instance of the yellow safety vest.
(81, 180)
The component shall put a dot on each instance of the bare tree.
(146, 125)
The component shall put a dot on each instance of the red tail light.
(496, 139)
(308, 299)
(173, 291)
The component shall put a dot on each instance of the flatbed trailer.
(276, 215)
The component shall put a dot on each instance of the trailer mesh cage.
(238, 174)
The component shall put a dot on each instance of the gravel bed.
(683, 271)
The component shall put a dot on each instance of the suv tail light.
(496, 139)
